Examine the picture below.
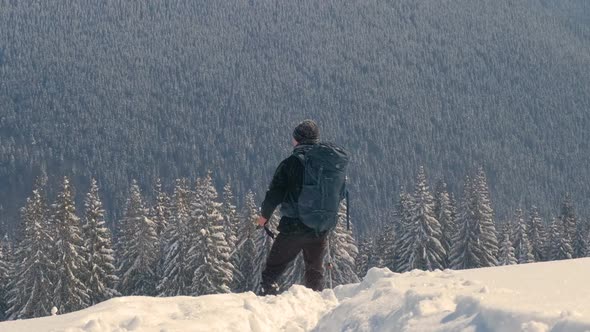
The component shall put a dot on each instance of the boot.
(269, 289)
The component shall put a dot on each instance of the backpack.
(323, 185)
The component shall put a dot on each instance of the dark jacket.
(284, 189)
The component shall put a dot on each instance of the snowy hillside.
(535, 297)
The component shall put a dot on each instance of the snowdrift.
(537, 297)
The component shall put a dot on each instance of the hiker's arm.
(276, 191)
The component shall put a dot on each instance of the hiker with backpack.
(309, 185)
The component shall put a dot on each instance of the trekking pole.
(329, 265)
(347, 211)
(267, 230)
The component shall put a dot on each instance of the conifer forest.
(194, 240)
(137, 139)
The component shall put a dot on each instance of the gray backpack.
(324, 185)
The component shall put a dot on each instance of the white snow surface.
(538, 297)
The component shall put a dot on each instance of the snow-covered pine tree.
(384, 251)
(444, 213)
(365, 259)
(506, 252)
(559, 245)
(425, 251)
(177, 268)
(569, 220)
(581, 245)
(475, 244)
(343, 253)
(229, 214)
(5, 271)
(453, 204)
(215, 274)
(522, 246)
(403, 232)
(537, 235)
(230, 223)
(484, 213)
(197, 224)
(463, 255)
(160, 215)
(138, 248)
(70, 293)
(161, 209)
(246, 278)
(30, 291)
(101, 278)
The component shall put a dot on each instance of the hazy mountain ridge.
(123, 90)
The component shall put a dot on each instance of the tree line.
(195, 241)
(192, 241)
(432, 230)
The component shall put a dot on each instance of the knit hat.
(307, 132)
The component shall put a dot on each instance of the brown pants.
(285, 249)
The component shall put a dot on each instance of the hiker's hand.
(261, 221)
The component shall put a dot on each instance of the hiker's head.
(306, 132)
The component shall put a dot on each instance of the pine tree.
(384, 253)
(463, 251)
(444, 213)
(522, 247)
(506, 252)
(475, 244)
(31, 286)
(229, 214)
(161, 209)
(177, 270)
(101, 279)
(5, 272)
(403, 232)
(425, 251)
(559, 245)
(71, 259)
(581, 244)
(161, 216)
(365, 259)
(138, 248)
(537, 235)
(569, 220)
(485, 215)
(230, 224)
(343, 253)
(246, 278)
(215, 273)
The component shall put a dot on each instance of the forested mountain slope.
(122, 90)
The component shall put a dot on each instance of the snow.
(537, 297)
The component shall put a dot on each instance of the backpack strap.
(300, 151)
(300, 156)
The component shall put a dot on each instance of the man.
(294, 236)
